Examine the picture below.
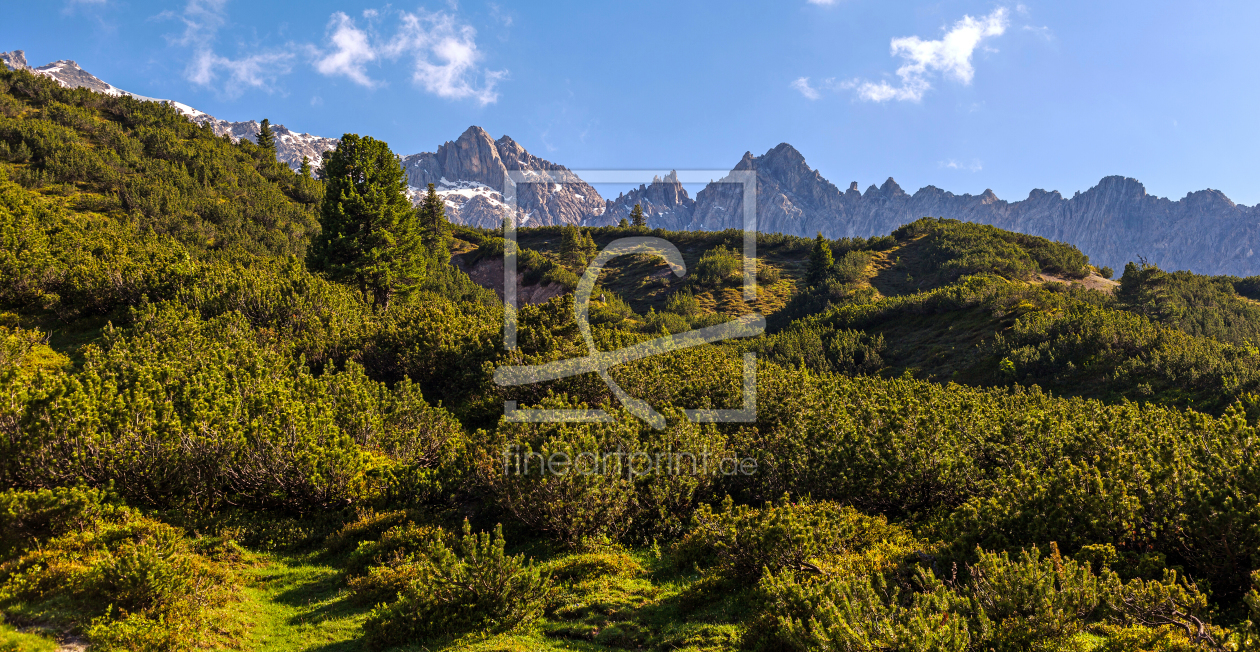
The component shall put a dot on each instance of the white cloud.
(255, 70)
(973, 166)
(813, 92)
(351, 52)
(445, 57)
(202, 21)
(949, 56)
(822, 2)
(802, 85)
(443, 52)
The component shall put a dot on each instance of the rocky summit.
(665, 205)
(472, 174)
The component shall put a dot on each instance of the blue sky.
(961, 94)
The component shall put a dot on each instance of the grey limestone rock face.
(475, 167)
(15, 60)
(665, 204)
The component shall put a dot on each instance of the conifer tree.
(624, 223)
(821, 261)
(589, 249)
(370, 233)
(305, 170)
(636, 217)
(433, 220)
(266, 139)
(571, 247)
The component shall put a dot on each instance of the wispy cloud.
(94, 9)
(822, 2)
(802, 84)
(443, 53)
(202, 21)
(813, 91)
(500, 15)
(949, 56)
(973, 166)
(1042, 31)
(253, 71)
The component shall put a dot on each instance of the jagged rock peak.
(15, 60)
(784, 153)
(1124, 185)
(853, 187)
(473, 131)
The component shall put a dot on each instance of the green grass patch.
(11, 640)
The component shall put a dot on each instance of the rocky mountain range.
(291, 146)
(1114, 222)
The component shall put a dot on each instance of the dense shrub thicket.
(950, 450)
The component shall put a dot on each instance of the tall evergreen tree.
(433, 220)
(571, 247)
(305, 170)
(266, 138)
(821, 261)
(371, 236)
(636, 216)
(624, 223)
(589, 248)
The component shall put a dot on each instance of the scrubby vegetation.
(215, 433)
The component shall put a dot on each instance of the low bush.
(665, 323)
(717, 265)
(78, 558)
(682, 302)
(1029, 602)
(471, 585)
(743, 544)
(576, 497)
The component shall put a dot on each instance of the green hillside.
(965, 438)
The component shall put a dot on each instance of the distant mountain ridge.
(1113, 223)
